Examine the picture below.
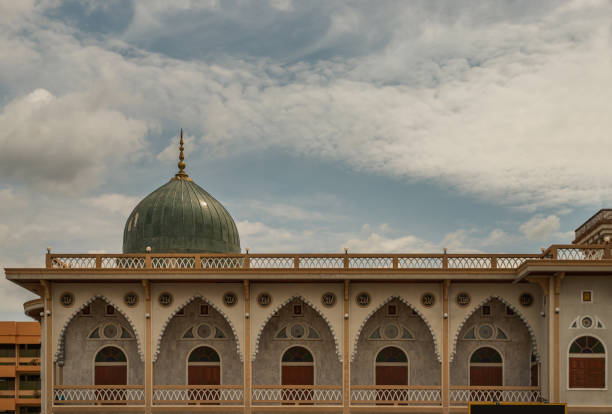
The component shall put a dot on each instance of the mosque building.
(185, 321)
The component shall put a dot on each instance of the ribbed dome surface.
(180, 217)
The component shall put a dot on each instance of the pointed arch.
(187, 302)
(412, 307)
(279, 307)
(517, 312)
(59, 354)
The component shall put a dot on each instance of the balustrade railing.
(396, 395)
(197, 394)
(98, 394)
(462, 395)
(297, 395)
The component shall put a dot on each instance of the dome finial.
(181, 175)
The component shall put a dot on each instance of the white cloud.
(540, 228)
(64, 143)
(113, 203)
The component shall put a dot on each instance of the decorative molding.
(279, 307)
(187, 302)
(405, 302)
(59, 354)
(517, 312)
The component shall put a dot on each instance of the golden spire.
(181, 175)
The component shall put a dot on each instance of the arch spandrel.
(374, 309)
(176, 309)
(183, 294)
(310, 294)
(284, 303)
(58, 355)
(460, 323)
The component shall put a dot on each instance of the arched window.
(391, 367)
(110, 368)
(486, 367)
(587, 363)
(297, 368)
(204, 367)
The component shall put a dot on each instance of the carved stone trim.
(517, 312)
(279, 307)
(187, 302)
(377, 308)
(59, 354)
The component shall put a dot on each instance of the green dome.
(180, 217)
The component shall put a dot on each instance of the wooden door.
(391, 375)
(587, 373)
(487, 376)
(204, 375)
(297, 375)
(110, 375)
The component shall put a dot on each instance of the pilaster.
(148, 350)
(247, 348)
(445, 347)
(346, 363)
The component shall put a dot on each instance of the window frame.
(586, 356)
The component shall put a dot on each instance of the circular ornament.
(526, 299)
(67, 299)
(264, 299)
(463, 299)
(204, 331)
(485, 331)
(230, 299)
(130, 299)
(328, 299)
(165, 299)
(428, 300)
(363, 299)
(298, 331)
(586, 322)
(391, 331)
(110, 331)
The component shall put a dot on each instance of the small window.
(376, 334)
(486, 310)
(219, 334)
(501, 334)
(392, 310)
(509, 311)
(470, 334)
(86, 311)
(406, 334)
(188, 334)
(110, 310)
(282, 334)
(297, 309)
(587, 296)
(414, 313)
(204, 309)
(95, 334)
(125, 334)
(313, 334)
(180, 312)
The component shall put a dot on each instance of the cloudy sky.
(392, 126)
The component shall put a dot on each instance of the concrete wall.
(424, 368)
(171, 365)
(515, 352)
(267, 365)
(571, 307)
(80, 351)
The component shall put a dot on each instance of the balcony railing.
(197, 394)
(98, 394)
(462, 395)
(396, 395)
(297, 394)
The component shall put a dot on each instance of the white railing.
(395, 394)
(190, 394)
(297, 394)
(98, 394)
(463, 395)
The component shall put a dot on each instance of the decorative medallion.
(363, 299)
(67, 299)
(526, 299)
(165, 299)
(328, 299)
(586, 322)
(264, 299)
(428, 300)
(130, 299)
(463, 299)
(485, 331)
(230, 299)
